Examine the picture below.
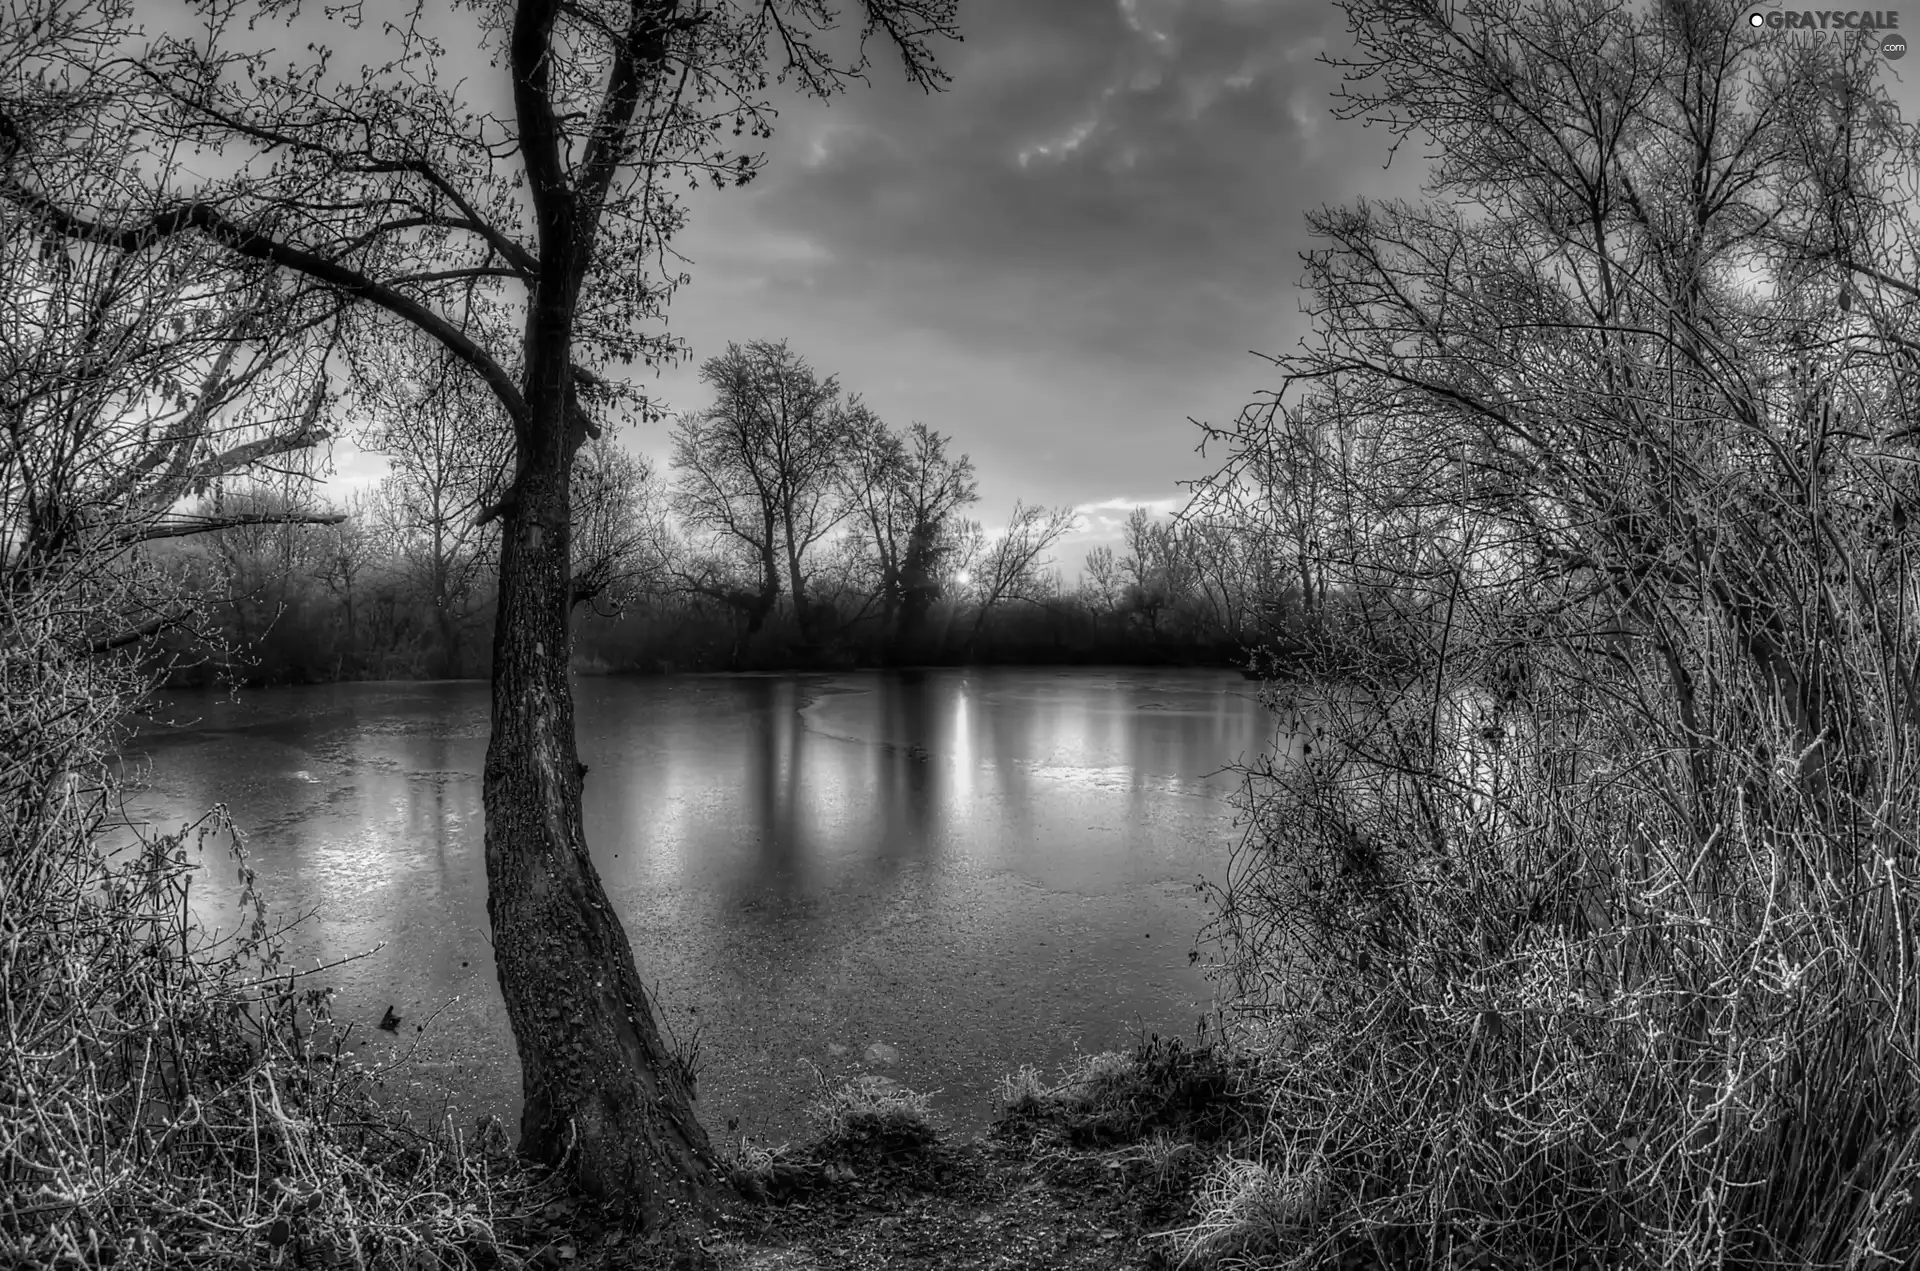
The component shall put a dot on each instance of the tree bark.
(600, 1085)
(598, 1079)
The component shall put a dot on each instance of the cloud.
(1063, 257)
(1107, 517)
(1122, 181)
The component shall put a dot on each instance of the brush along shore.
(1107, 1166)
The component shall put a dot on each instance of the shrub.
(1543, 1013)
(167, 1096)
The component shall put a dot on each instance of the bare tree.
(421, 208)
(1157, 568)
(448, 449)
(905, 494)
(722, 492)
(132, 387)
(344, 554)
(761, 466)
(1299, 495)
(1100, 582)
(1631, 405)
(621, 541)
(1009, 567)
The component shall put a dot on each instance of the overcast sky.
(1059, 259)
(1081, 243)
(1056, 261)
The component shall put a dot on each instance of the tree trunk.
(802, 612)
(598, 1080)
(448, 624)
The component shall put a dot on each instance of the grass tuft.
(1163, 1085)
(872, 1116)
(1249, 1210)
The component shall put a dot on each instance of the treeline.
(794, 527)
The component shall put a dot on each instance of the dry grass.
(172, 1099)
(1250, 1211)
(1163, 1086)
(1021, 1093)
(872, 1115)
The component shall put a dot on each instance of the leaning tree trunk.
(598, 1080)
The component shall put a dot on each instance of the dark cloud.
(1068, 252)
(1122, 179)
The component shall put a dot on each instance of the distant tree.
(761, 467)
(1158, 572)
(620, 537)
(344, 554)
(904, 494)
(1231, 567)
(257, 581)
(722, 492)
(1011, 567)
(448, 450)
(1100, 581)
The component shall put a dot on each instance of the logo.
(1879, 27)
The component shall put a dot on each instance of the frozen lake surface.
(931, 875)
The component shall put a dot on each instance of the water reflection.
(976, 868)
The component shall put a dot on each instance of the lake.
(931, 875)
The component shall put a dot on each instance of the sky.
(1080, 244)
(1087, 240)
(1060, 259)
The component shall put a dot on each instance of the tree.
(905, 494)
(621, 540)
(448, 449)
(344, 555)
(1234, 573)
(1009, 567)
(1100, 585)
(760, 468)
(420, 209)
(1292, 497)
(1159, 574)
(131, 389)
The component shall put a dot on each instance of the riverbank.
(1118, 1164)
(597, 658)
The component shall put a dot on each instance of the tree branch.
(349, 282)
(146, 630)
(184, 525)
